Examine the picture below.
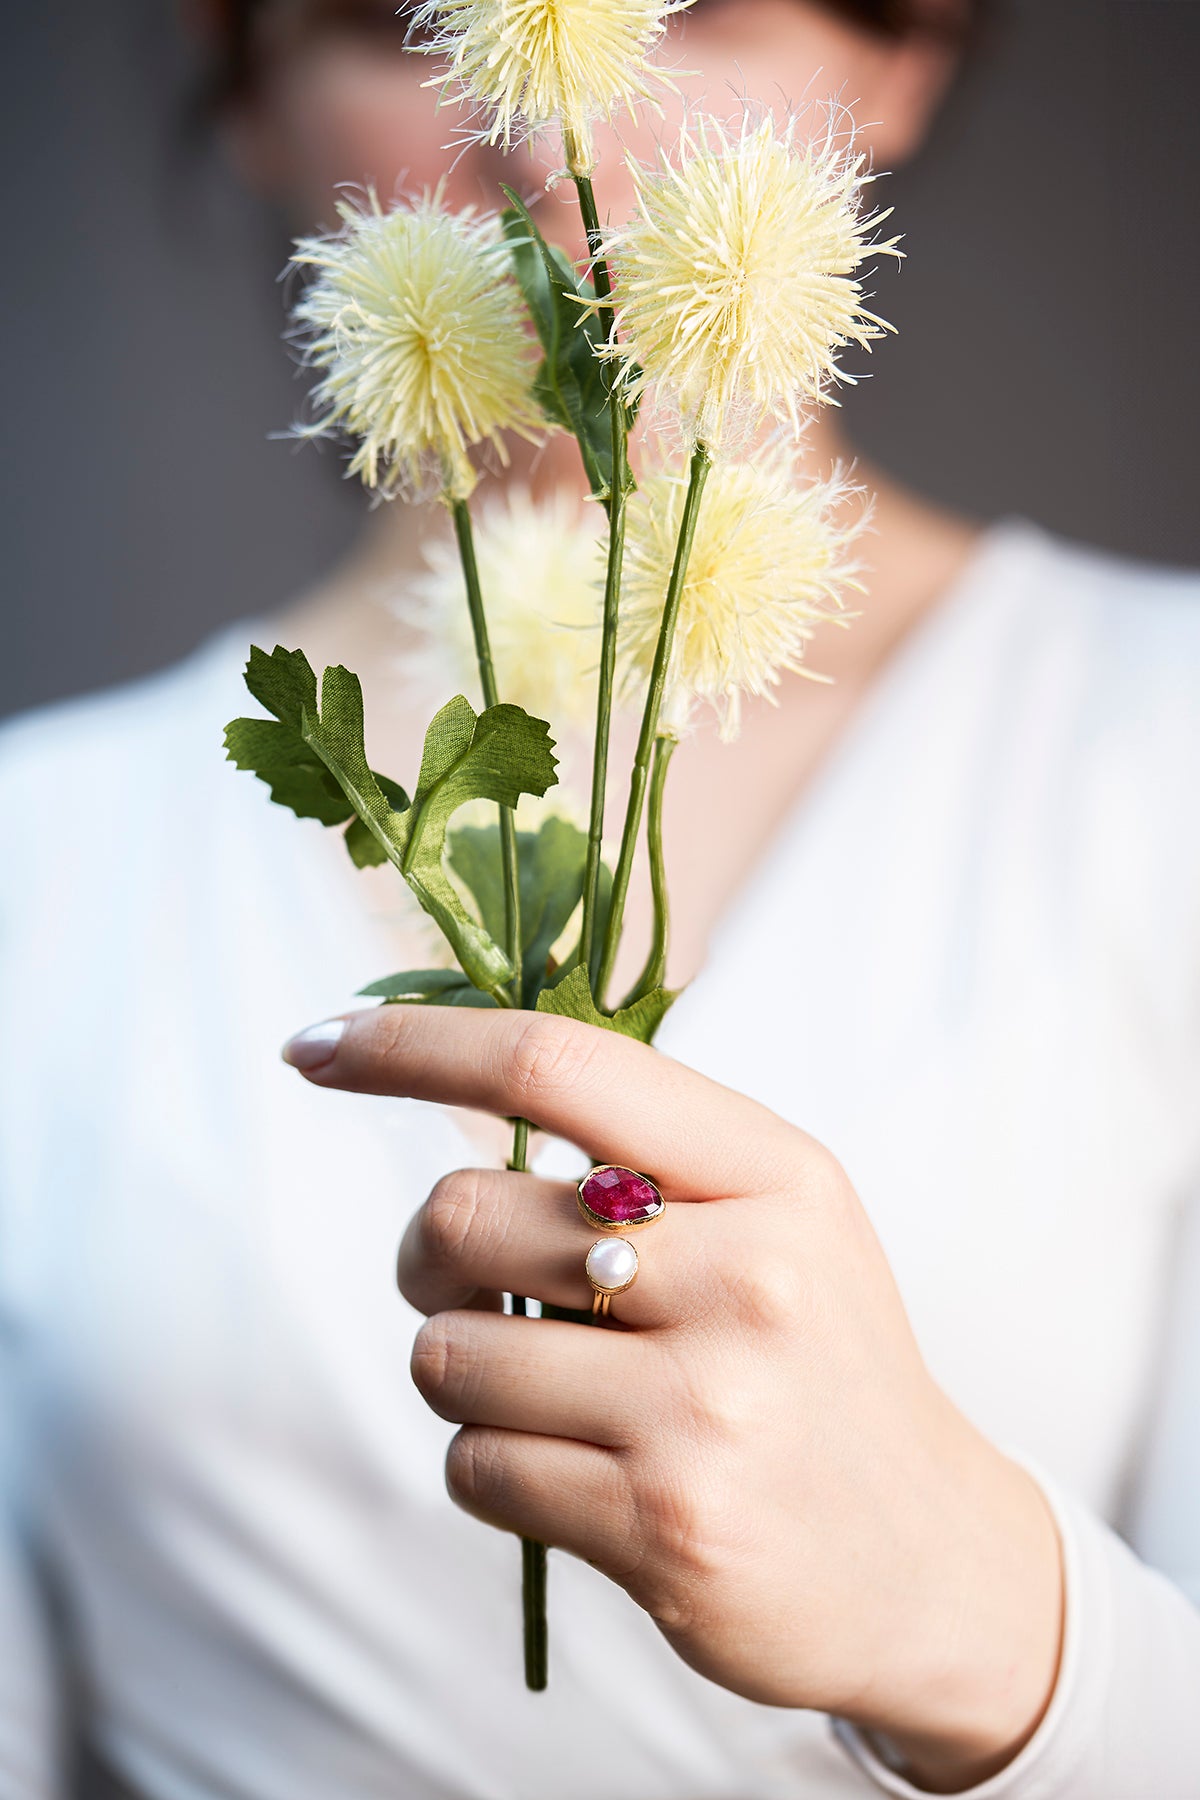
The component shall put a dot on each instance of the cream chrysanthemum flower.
(541, 571)
(420, 330)
(735, 277)
(530, 63)
(771, 556)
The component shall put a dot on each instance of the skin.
(755, 1451)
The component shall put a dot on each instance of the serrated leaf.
(307, 756)
(552, 864)
(297, 778)
(366, 852)
(473, 853)
(572, 998)
(498, 756)
(571, 385)
(428, 987)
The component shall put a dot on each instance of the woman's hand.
(758, 1455)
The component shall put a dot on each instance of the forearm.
(1123, 1719)
(970, 1650)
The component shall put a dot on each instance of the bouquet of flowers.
(714, 314)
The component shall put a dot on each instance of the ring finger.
(490, 1229)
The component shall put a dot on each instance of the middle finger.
(492, 1229)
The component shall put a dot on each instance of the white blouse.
(223, 1521)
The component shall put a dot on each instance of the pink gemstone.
(619, 1197)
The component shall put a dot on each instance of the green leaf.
(571, 386)
(297, 778)
(316, 759)
(428, 987)
(572, 999)
(366, 852)
(308, 758)
(551, 864)
(498, 756)
(473, 853)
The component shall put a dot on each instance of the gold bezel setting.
(617, 1227)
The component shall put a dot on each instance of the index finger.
(618, 1100)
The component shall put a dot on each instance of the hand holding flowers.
(757, 1453)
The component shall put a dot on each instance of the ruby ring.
(615, 1199)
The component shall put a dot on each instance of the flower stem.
(533, 1608)
(700, 465)
(487, 681)
(533, 1554)
(536, 1624)
(595, 244)
(617, 505)
(620, 488)
(655, 971)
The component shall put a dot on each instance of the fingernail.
(315, 1045)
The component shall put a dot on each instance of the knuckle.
(690, 1536)
(448, 1219)
(475, 1474)
(715, 1413)
(432, 1357)
(550, 1056)
(823, 1181)
(768, 1295)
(446, 1367)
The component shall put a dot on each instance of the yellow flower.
(541, 570)
(528, 63)
(735, 276)
(770, 558)
(419, 330)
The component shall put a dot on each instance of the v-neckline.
(974, 578)
(917, 649)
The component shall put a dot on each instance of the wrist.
(977, 1642)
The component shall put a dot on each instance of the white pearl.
(612, 1264)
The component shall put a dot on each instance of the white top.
(214, 1450)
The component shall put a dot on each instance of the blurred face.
(339, 106)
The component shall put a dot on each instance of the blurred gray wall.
(1047, 361)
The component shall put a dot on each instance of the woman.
(945, 920)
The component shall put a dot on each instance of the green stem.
(533, 1554)
(533, 1607)
(487, 681)
(595, 242)
(700, 465)
(655, 972)
(618, 503)
(536, 1624)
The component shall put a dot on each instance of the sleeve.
(1124, 1720)
(31, 1758)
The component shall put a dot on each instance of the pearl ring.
(615, 1200)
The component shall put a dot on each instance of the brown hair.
(238, 39)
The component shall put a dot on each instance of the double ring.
(615, 1200)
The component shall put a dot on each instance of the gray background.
(1046, 363)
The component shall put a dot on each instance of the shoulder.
(1130, 628)
(1090, 663)
(103, 731)
(1109, 699)
(84, 780)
